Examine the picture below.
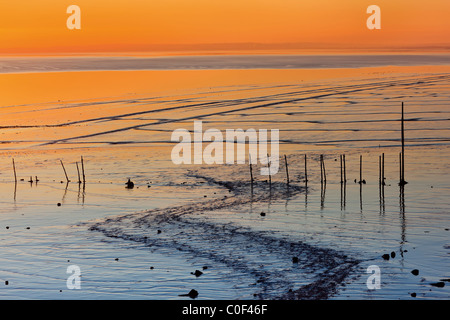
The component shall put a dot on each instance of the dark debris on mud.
(317, 273)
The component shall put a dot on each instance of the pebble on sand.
(413, 294)
(6, 282)
(263, 214)
(392, 254)
(59, 204)
(295, 259)
(385, 256)
(415, 272)
(440, 284)
(205, 267)
(159, 231)
(192, 294)
(197, 273)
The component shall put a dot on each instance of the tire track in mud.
(260, 257)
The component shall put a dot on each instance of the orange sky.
(30, 26)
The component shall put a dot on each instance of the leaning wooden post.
(287, 170)
(324, 172)
(65, 173)
(251, 169)
(321, 169)
(14, 168)
(78, 171)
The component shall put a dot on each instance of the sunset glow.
(172, 25)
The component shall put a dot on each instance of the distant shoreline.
(215, 62)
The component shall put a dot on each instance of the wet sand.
(126, 134)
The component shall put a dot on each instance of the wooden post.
(360, 169)
(402, 181)
(345, 173)
(321, 168)
(287, 170)
(306, 171)
(268, 167)
(82, 169)
(78, 171)
(65, 173)
(251, 174)
(379, 170)
(340, 158)
(324, 172)
(382, 170)
(14, 168)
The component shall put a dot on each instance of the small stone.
(392, 254)
(193, 294)
(385, 256)
(159, 231)
(151, 268)
(117, 259)
(28, 228)
(413, 294)
(295, 259)
(58, 204)
(440, 284)
(415, 272)
(205, 267)
(6, 282)
(197, 273)
(263, 214)
(7, 227)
